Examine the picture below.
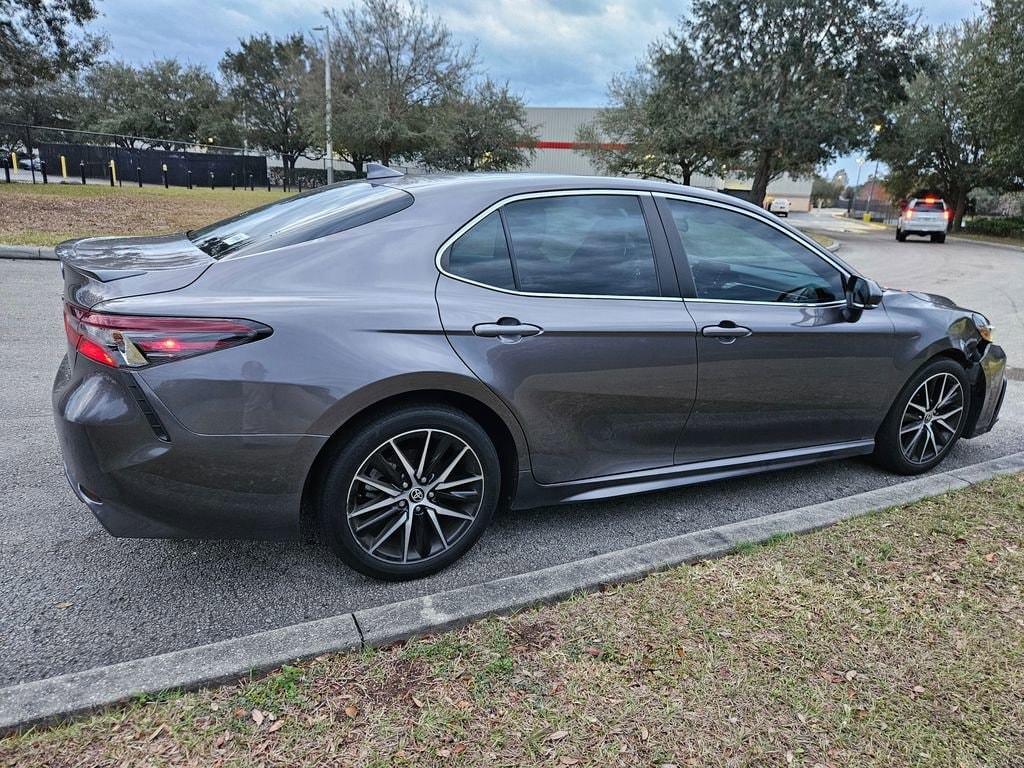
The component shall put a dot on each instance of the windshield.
(300, 218)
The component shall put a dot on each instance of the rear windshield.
(929, 205)
(298, 219)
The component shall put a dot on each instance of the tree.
(825, 192)
(936, 140)
(164, 102)
(485, 128)
(803, 81)
(265, 80)
(40, 40)
(53, 103)
(665, 121)
(396, 66)
(996, 94)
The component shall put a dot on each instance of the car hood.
(899, 298)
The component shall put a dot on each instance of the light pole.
(327, 94)
(874, 179)
(856, 187)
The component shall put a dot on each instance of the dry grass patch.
(45, 215)
(892, 640)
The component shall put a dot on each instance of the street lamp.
(877, 128)
(856, 187)
(327, 92)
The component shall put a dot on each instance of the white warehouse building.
(559, 152)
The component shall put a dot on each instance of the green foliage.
(161, 100)
(940, 138)
(825, 192)
(803, 82)
(394, 66)
(41, 40)
(484, 128)
(1005, 227)
(265, 78)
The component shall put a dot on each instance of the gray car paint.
(359, 319)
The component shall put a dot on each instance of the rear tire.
(900, 236)
(410, 493)
(926, 419)
(939, 238)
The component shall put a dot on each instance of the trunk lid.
(98, 269)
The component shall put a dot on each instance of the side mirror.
(861, 294)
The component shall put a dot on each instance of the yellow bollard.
(113, 173)
(14, 161)
(867, 218)
(63, 166)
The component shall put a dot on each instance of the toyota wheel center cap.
(416, 494)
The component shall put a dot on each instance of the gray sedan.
(382, 363)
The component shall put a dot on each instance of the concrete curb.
(27, 252)
(57, 698)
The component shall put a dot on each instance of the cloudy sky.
(552, 52)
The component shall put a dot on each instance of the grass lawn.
(46, 214)
(893, 640)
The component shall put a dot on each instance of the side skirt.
(533, 494)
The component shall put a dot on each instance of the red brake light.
(133, 341)
(948, 213)
(910, 213)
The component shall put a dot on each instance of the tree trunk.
(958, 211)
(762, 175)
(687, 175)
(357, 166)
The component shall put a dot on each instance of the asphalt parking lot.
(75, 598)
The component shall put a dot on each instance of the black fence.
(182, 168)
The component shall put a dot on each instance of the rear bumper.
(923, 228)
(143, 483)
(988, 392)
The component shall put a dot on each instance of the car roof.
(500, 185)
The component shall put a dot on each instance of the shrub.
(996, 227)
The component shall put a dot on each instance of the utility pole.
(874, 179)
(326, 29)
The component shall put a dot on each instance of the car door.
(781, 367)
(566, 305)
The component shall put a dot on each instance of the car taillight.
(910, 213)
(133, 341)
(948, 213)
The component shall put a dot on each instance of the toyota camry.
(381, 364)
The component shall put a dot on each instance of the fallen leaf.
(257, 717)
(557, 736)
(918, 689)
(789, 758)
(592, 651)
(351, 710)
(417, 702)
(989, 558)
(157, 732)
(63, 605)
(566, 760)
(275, 726)
(644, 733)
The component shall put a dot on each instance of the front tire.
(925, 420)
(410, 493)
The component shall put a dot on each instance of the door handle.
(727, 332)
(506, 328)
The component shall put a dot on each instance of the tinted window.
(933, 205)
(740, 258)
(589, 244)
(481, 254)
(317, 213)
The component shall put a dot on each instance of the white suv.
(779, 206)
(924, 216)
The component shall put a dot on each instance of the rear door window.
(930, 206)
(300, 218)
(594, 245)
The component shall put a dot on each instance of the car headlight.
(985, 329)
